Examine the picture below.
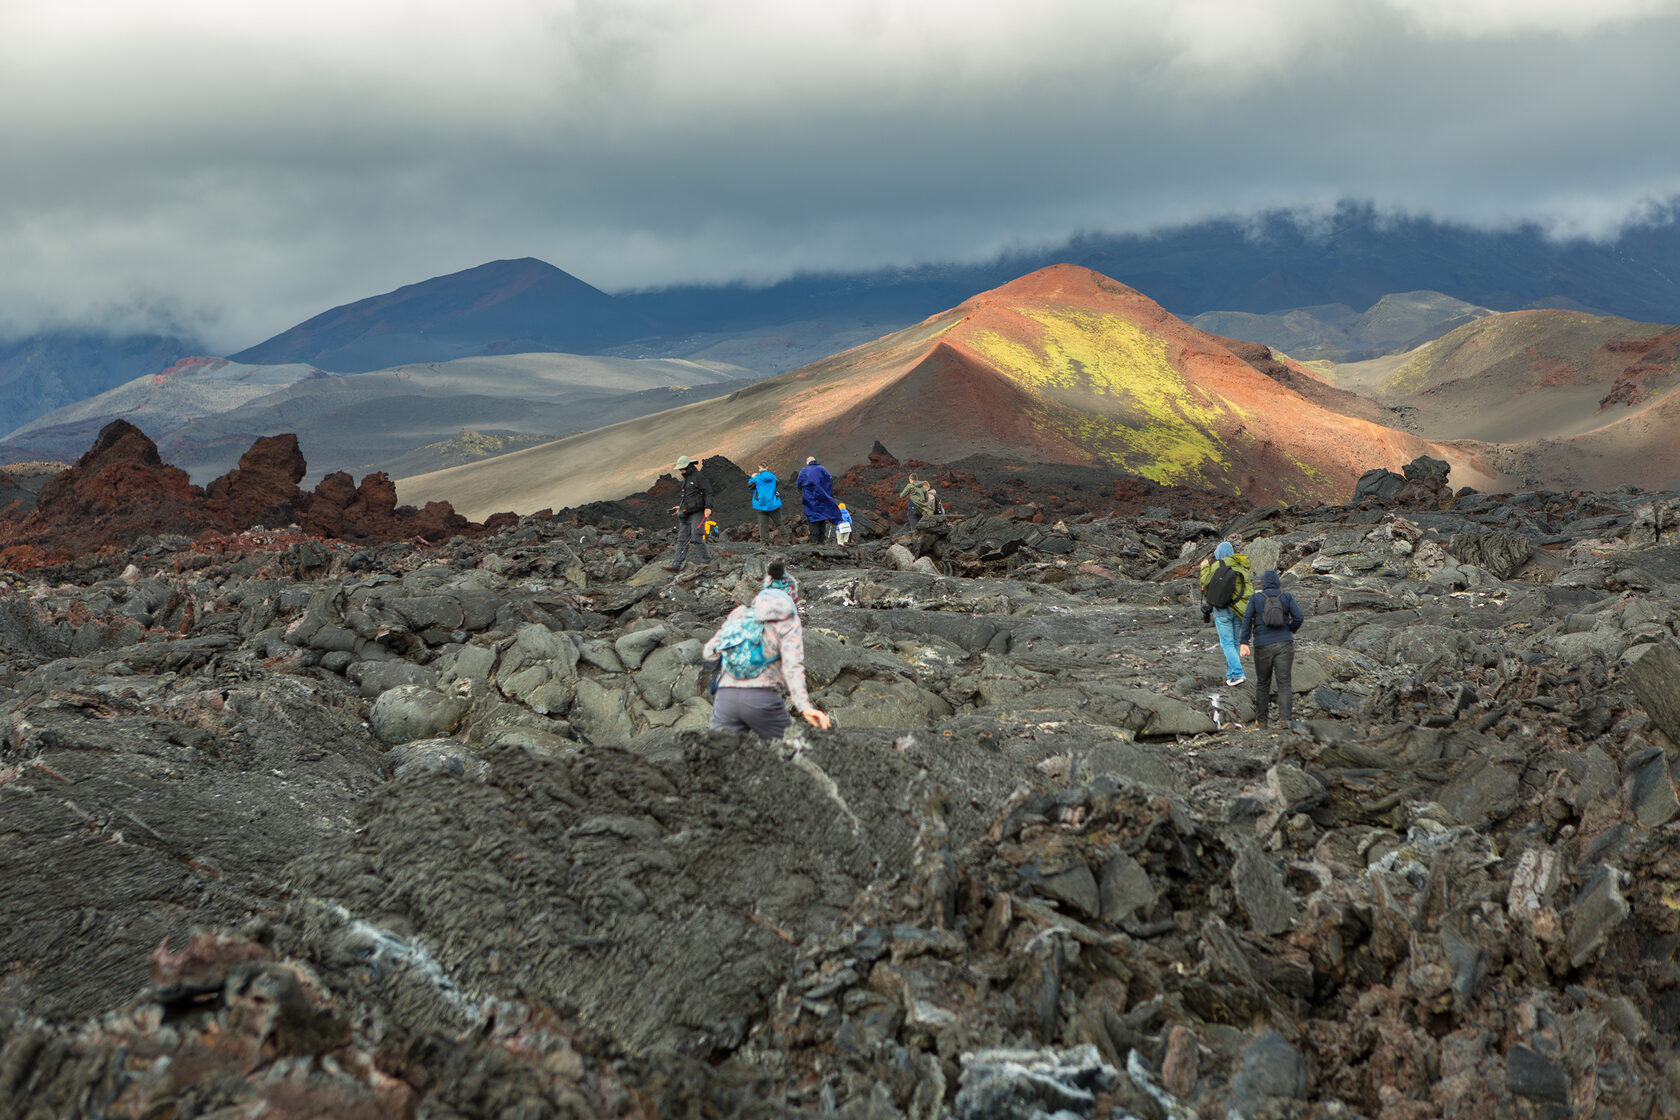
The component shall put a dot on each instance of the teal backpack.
(741, 645)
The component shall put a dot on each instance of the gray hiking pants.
(760, 710)
(689, 526)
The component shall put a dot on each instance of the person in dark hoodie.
(1273, 645)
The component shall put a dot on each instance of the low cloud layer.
(233, 169)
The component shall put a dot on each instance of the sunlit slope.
(1062, 365)
(1535, 375)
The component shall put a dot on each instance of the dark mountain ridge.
(503, 307)
(1269, 263)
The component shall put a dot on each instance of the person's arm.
(792, 661)
(1247, 631)
(1296, 618)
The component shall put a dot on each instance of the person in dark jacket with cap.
(693, 509)
(1274, 646)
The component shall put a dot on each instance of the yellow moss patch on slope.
(1108, 386)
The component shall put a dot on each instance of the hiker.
(843, 527)
(777, 579)
(920, 500)
(816, 492)
(757, 644)
(1225, 601)
(1271, 620)
(767, 501)
(693, 510)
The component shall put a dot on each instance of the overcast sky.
(235, 167)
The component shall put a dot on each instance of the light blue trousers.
(1225, 621)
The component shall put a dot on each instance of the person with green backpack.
(760, 646)
(1227, 584)
(919, 500)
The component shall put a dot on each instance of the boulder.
(375, 678)
(1270, 1067)
(888, 704)
(445, 757)
(635, 645)
(410, 712)
(1124, 889)
(1379, 484)
(602, 714)
(1650, 788)
(1653, 669)
(1499, 552)
(671, 674)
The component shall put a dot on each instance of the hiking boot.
(672, 567)
(1233, 682)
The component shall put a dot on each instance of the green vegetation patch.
(470, 445)
(1109, 388)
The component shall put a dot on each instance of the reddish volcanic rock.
(122, 489)
(118, 491)
(260, 489)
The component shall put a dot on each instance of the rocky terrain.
(297, 826)
(122, 488)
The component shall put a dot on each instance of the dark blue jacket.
(1255, 632)
(816, 493)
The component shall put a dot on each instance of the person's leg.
(1284, 664)
(764, 710)
(685, 531)
(819, 532)
(764, 523)
(697, 521)
(726, 711)
(1225, 623)
(914, 514)
(1263, 656)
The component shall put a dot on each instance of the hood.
(1269, 580)
(773, 605)
(1224, 550)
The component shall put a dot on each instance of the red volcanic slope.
(1061, 366)
(121, 490)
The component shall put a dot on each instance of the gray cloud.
(236, 168)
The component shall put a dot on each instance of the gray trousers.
(1278, 658)
(689, 526)
(740, 710)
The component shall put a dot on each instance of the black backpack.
(1221, 586)
(1273, 614)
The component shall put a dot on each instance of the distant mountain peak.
(500, 307)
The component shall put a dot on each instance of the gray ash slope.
(315, 830)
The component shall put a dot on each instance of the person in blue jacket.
(767, 501)
(816, 493)
(1274, 646)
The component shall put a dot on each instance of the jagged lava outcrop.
(121, 489)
